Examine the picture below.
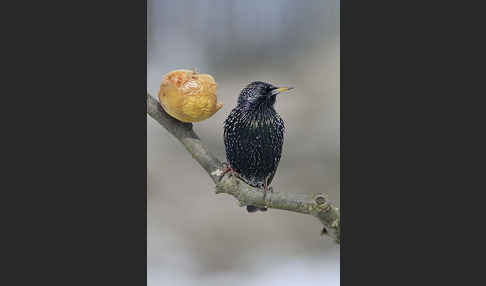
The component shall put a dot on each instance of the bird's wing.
(278, 146)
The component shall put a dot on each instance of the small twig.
(316, 205)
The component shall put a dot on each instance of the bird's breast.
(254, 143)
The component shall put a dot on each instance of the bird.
(254, 136)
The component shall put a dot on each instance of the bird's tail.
(252, 209)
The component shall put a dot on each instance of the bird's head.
(260, 93)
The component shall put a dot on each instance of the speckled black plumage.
(253, 135)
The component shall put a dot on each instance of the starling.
(253, 136)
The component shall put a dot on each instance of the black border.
(406, 141)
(80, 144)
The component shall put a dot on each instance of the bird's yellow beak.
(282, 89)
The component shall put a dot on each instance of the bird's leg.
(265, 190)
(265, 185)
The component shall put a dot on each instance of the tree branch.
(316, 205)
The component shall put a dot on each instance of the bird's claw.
(227, 168)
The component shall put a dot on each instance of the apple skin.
(189, 96)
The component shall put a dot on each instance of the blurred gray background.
(196, 237)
